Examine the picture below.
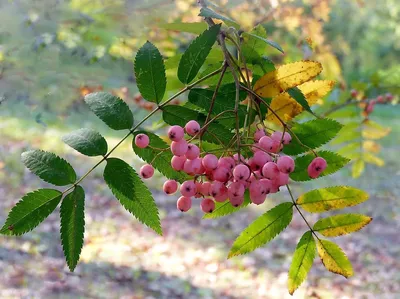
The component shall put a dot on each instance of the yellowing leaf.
(338, 225)
(372, 159)
(371, 146)
(286, 76)
(287, 108)
(334, 258)
(357, 168)
(331, 66)
(374, 130)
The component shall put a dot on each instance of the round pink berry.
(282, 179)
(217, 188)
(193, 152)
(184, 203)
(270, 170)
(221, 174)
(255, 189)
(222, 196)
(285, 164)
(277, 136)
(197, 166)
(177, 162)
(198, 190)
(205, 188)
(146, 171)
(192, 127)
(170, 187)
(179, 148)
(241, 172)
(266, 143)
(260, 158)
(258, 199)
(316, 167)
(207, 205)
(210, 162)
(267, 185)
(258, 135)
(188, 167)
(236, 189)
(142, 140)
(188, 188)
(238, 158)
(236, 201)
(176, 133)
(227, 162)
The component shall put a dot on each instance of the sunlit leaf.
(263, 229)
(343, 224)
(334, 258)
(302, 261)
(373, 130)
(358, 167)
(87, 141)
(331, 198)
(372, 159)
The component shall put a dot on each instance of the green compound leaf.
(313, 133)
(150, 73)
(338, 225)
(87, 141)
(331, 198)
(302, 261)
(226, 208)
(195, 56)
(160, 160)
(208, 13)
(335, 162)
(178, 115)
(72, 214)
(334, 258)
(110, 109)
(30, 211)
(257, 40)
(263, 229)
(134, 196)
(49, 167)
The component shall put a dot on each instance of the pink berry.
(217, 188)
(282, 179)
(198, 190)
(207, 205)
(380, 99)
(222, 196)
(188, 188)
(354, 93)
(192, 127)
(261, 158)
(370, 107)
(236, 189)
(178, 162)
(276, 146)
(176, 133)
(241, 172)
(389, 96)
(258, 135)
(227, 162)
(184, 203)
(274, 187)
(316, 166)
(205, 188)
(278, 137)
(285, 164)
(270, 170)
(266, 143)
(197, 166)
(256, 189)
(267, 185)
(179, 148)
(142, 140)
(236, 201)
(170, 187)
(210, 162)
(192, 152)
(258, 199)
(221, 174)
(188, 167)
(238, 158)
(146, 171)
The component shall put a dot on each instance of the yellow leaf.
(334, 258)
(287, 108)
(343, 224)
(374, 130)
(371, 146)
(331, 65)
(372, 159)
(286, 76)
(358, 168)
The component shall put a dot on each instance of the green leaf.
(335, 162)
(357, 168)
(253, 44)
(225, 100)
(160, 160)
(196, 54)
(150, 73)
(261, 65)
(110, 109)
(313, 134)
(331, 198)
(263, 229)
(49, 167)
(87, 141)
(178, 115)
(195, 27)
(226, 208)
(253, 37)
(129, 189)
(338, 225)
(208, 13)
(72, 214)
(302, 261)
(30, 211)
(299, 97)
(334, 258)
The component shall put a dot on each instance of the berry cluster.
(227, 177)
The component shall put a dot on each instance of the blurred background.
(53, 52)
